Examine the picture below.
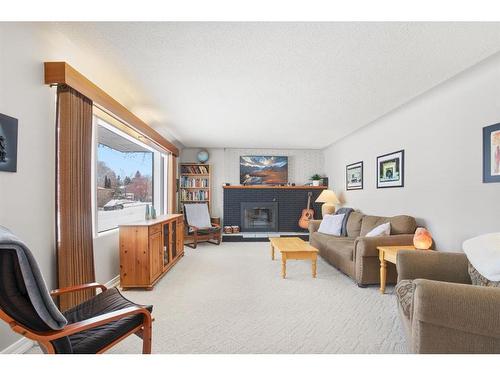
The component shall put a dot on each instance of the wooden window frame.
(61, 73)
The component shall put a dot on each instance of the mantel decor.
(8, 143)
(491, 153)
(263, 170)
(390, 170)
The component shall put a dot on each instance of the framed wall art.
(354, 176)
(391, 170)
(491, 153)
(8, 143)
(263, 170)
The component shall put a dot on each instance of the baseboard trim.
(114, 282)
(21, 346)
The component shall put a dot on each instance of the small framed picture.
(354, 176)
(391, 170)
(491, 153)
(8, 144)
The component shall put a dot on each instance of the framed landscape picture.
(491, 153)
(354, 176)
(391, 170)
(263, 170)
(8, 144)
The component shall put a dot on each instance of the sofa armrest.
(432, 265)
(367, 246)
(459, 307)
(314, 226)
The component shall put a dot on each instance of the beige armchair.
(439, 308)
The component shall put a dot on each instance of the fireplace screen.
(259, 216)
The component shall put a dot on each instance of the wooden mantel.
(61, 73)
(299, 187)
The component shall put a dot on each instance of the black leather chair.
(92, 327)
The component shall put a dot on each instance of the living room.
(249, 187)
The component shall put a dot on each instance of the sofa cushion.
(401, 224)
(95, 339)
(343, 247)
(319, 240)
(331, 224)
(404, 292)
(478, 279)
(354, 224)
(381, 230)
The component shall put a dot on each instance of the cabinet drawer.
(154, 229)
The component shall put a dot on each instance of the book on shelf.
(194, 169)
(200, 195)
(194, 182)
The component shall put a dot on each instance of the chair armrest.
(466, 308)
(97, 321)
(314, 226)
(367, 246)
(433, 265)
(76, 288)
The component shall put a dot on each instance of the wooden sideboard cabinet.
(148, 249)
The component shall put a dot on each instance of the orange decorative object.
(422, 239)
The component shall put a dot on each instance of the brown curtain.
(75, 254)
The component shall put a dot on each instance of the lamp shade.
(422, 239)
(327, 196)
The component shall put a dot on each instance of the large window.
(125, 178)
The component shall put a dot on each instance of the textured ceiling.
(280, 85)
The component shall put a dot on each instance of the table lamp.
(422, 239)
(329, 200)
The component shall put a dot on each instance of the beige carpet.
(231, 299)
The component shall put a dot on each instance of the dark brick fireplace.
(283, 205)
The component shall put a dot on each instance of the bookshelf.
(195, 184)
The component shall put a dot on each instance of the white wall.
(27, 197)
(302, 164)
(441, 133)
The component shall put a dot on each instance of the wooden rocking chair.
(199, 226)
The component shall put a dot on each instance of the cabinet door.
(180, 236)
(174, 238)
(156, 254)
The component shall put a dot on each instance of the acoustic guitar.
(307, 213)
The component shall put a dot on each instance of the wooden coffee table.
(293, 248)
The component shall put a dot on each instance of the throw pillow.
(478, 279)
(381, 230)
(331, 224)
(483, 252)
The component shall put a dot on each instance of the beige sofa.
(439, 309)
(357, 255)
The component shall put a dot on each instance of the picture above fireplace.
(263, 170)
